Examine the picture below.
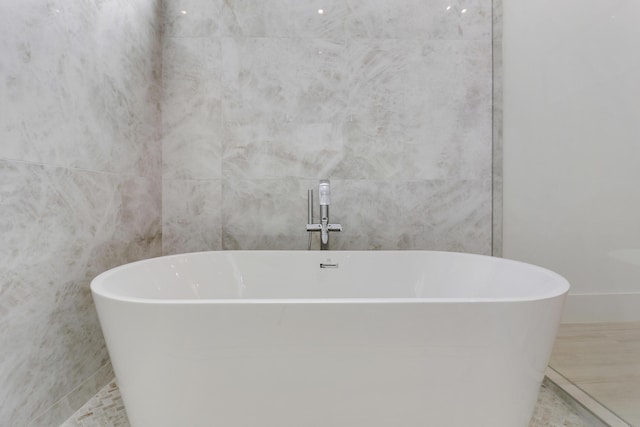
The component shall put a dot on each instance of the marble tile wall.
(80, 187)
(392, 101)
(259, 100)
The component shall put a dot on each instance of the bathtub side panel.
(320, 364)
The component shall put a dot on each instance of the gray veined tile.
(284, 78)
(265, 213)
(82, 92)
(285, 18)
(418, 110)
(269, 149)
(61, 227)
(404, 81)
(420, 19)
(192, 109)
(191, 215)
(192, 18)
(65, 107)
(384, 150)
(439, 214)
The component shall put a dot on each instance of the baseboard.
(602, 307)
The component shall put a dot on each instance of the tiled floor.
(106, 410)
(603, 359)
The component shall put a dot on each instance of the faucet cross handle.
(334, 227)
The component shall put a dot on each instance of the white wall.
(572, 148)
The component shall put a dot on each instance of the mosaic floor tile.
(107, 410)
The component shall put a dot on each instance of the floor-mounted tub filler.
(329, 339)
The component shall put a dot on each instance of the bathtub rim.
(560, 290)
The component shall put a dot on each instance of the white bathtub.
(271, 339)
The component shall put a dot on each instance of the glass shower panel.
(572, 174)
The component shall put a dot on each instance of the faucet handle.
(334, 227)
(324, 192)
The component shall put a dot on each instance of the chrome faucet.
(324, 227)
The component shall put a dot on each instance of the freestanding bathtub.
(329, 339)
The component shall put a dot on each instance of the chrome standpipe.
(324, 227)
(309, 215)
